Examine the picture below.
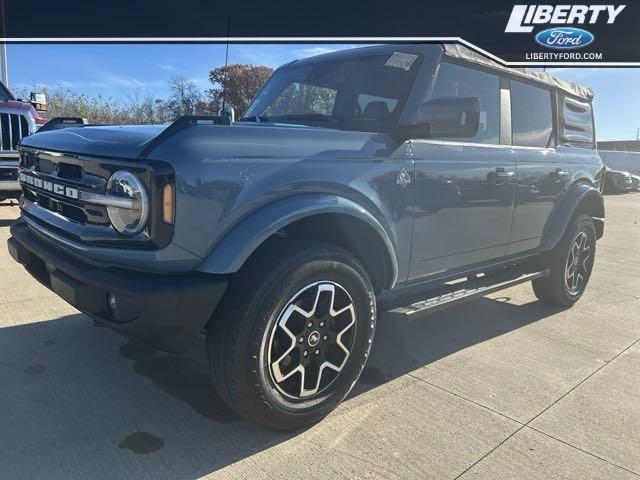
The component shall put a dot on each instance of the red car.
(17, 120)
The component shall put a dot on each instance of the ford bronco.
(405, 177)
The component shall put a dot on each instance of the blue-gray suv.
(407, 177)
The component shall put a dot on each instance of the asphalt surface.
(499, 388)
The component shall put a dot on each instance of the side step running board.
(464, 291)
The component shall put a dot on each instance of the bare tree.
(142, 107)
(185, 98)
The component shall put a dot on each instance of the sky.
(122, 71)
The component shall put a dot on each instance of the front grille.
(63, 193)
(12, 128)
(68, 210)
(67, 172)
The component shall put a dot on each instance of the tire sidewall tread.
(552, 289)
(250, 306)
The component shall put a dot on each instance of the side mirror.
(38, 101)
(451, 116)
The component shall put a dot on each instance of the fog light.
(112, 304)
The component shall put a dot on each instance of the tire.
(570, 263)
(292, 283)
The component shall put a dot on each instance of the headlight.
(130, 218)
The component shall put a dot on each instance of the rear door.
(542, 171)
(464, 187)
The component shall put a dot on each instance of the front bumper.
(166, 311)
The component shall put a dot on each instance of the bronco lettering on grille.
(53, 187)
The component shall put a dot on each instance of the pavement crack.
(583, 451)
(489, 452)
(528, 422)
(462, 397)
(520, 424)
(561, 397)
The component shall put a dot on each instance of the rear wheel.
(293, 333)
(571, 263)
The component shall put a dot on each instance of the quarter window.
(458, 81)
(531, 115)
(578, 121)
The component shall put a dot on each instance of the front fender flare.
(579, 195)
(230, 253)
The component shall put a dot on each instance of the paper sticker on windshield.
(401, 60)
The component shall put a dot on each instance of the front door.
(464, 188)
(464, 198)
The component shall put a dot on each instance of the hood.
(213, 141)
(266, 140)
(122, 141)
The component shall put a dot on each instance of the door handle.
(499, 176)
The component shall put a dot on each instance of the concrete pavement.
(499, 388)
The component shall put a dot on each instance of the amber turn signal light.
(168, 204)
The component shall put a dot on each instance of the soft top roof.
(460, 51)
(454, 50)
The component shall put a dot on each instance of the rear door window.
(531, 115)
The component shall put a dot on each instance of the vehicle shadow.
(6, 222)
(83, 401)
(402, 346)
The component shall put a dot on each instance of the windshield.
(362, 93)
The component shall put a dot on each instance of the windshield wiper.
(316, 117)
(255, 118)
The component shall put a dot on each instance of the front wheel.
(293, 333)
(570, 263)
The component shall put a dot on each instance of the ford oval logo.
(565, 38)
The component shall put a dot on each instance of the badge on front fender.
(403, 178)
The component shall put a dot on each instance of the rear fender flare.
(578, 196)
